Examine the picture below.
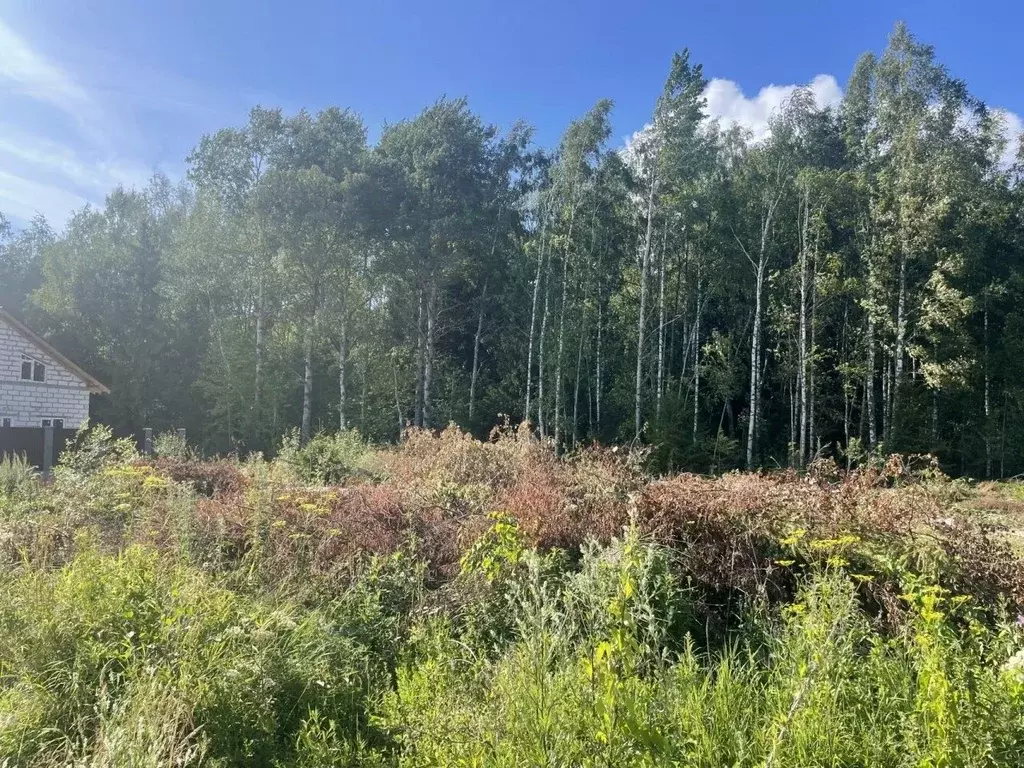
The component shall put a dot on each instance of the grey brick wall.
(26, 403)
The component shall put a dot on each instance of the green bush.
(819, 686)
(95, 448)
(327, 459)
(170, 445)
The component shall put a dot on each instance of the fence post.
(47, 450)
(181, 435)
(147, 442)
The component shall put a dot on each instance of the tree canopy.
(852, 282)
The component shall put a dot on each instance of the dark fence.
(30, 442)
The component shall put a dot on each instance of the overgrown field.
(457, 603)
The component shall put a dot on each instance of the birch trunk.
(659, 383)
(533, 316)
(342, 369)
(846, 423)
(812, 354)
(561, 346)
(307, 383)
(696, 356)
(1002, 437)
(420, 357)
(869, 384)
(671, 348)
(258, 374)
(886, 384)
(343, 357)
(899, 352)
(576, 390)
(227, 366)
(755, 345)
(641, 322)
(988, 405)
(476, 350)
(755, 366)
(566, 257)
(540, 355)
(812, 429)
(793, 389)
(802, 346)
(364, 380)
(398, 404)
(597, 366)
(428, 363)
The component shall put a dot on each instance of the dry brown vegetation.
(438, 491)
(345, 604)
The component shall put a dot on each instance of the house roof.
(93, 384)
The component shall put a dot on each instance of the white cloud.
(66, 140)
(40, 98)
(1013, 130)
(23, 198)
(31, 74)
(52, 159)
(728, 103)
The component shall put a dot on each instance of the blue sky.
(99, 93)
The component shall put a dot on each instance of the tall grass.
(125, 652)
(810, 683)
(457, 603)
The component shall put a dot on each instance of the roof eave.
(94, 385)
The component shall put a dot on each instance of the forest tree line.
(852, 282)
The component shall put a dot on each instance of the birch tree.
(667, 155)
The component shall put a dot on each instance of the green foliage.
(96, 448)
(126, 655)
(821, 688)
(848, 284)
(825, 618)
(327, 459)
(17, 477)
(497, 553)
(676, 447)
(170, 445)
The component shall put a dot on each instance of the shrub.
(170, 445)
(95, 448)
(327, 459)
(818, 686)
(207, 478)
